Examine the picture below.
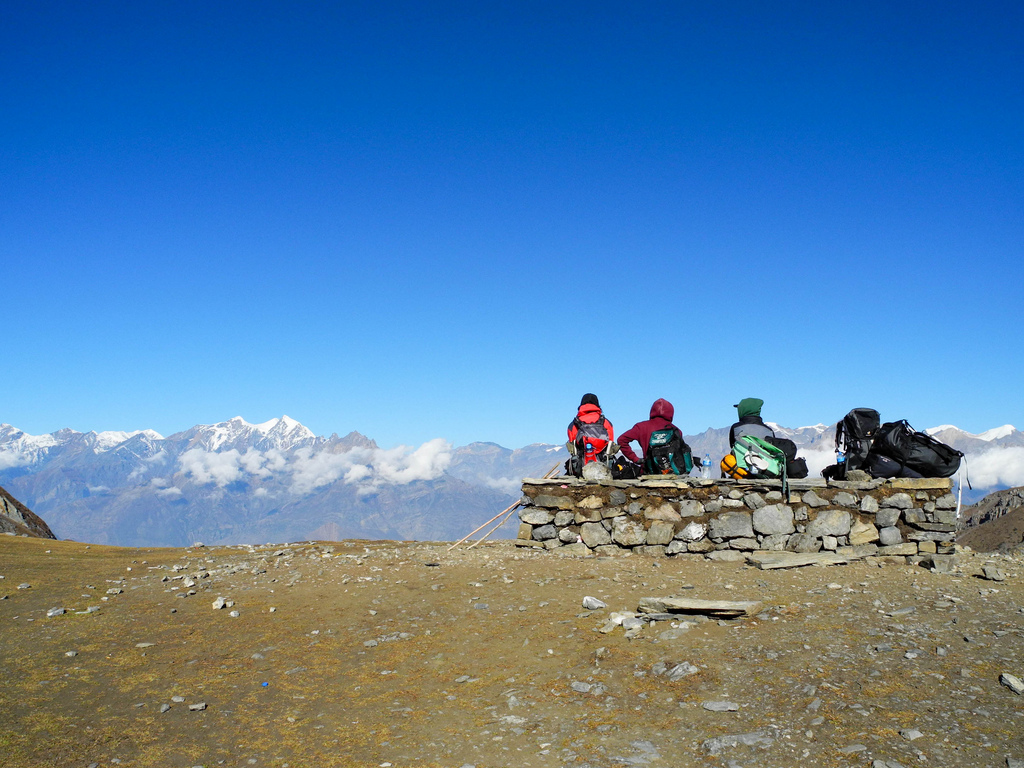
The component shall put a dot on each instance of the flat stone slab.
(767, 561)
(720, 608)
(805, 484)
(922, 483)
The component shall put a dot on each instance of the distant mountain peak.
(104, 441)
(998, 433)
(989, 435)
(282, 434)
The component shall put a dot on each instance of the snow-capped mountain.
(239, 482)
(281, 434)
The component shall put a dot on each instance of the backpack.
(591, 441)
(795, 466)
(624, 469)
(916, 451)
(758, 458)
(667, 453)
(854, 435)
(878, 465)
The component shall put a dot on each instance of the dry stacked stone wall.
(910, 519)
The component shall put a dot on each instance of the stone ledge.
(726, 520)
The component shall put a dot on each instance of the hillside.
(402, 654)
(1002, 533)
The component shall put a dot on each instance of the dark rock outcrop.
(15, 517)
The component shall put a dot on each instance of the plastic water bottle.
(705, 466)
(840, 458)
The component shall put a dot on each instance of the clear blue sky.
(446, 219)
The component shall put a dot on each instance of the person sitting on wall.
(664, 449)
(749, 411)
(590, 436)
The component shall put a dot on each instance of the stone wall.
(910, 519)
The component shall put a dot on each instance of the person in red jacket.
(661, 418)
(590, 432)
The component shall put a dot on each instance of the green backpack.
(667, 454)
(759, 458)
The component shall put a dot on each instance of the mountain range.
(236, 482)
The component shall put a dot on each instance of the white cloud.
(310, 471)
(9, 459)
(169, 492)
(398, 467)
(509, 485)
(159, 456)
(370, 468)
(211, 467)
(366, 468)
(999, 466)
(817, 459)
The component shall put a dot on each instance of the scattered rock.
(720, 706)
(197, 707)
(593, 604)
(55, 612)
(989, 572)
(1012, 682)
(755, 739)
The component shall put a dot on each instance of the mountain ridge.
(236, 482)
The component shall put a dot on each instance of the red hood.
(590, 410)
(663, 408)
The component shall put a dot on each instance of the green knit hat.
(749, 406)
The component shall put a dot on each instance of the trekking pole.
(507, 514)
(496, 527)
(959, 494)
(507, 511)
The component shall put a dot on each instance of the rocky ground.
(401, 654)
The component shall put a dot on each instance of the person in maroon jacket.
(590, 432)
(661, 418)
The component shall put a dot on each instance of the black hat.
(589, 399)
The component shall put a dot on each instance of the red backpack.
(591, 438)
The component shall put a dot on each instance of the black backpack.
(878, 465)
(916, 451)
(854, 435)
(667, 453)
(624, 469)
(796, 467)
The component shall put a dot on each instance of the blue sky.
(422, 220)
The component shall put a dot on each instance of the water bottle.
(840, 458)
(705, 466)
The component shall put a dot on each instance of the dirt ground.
(402, 654)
